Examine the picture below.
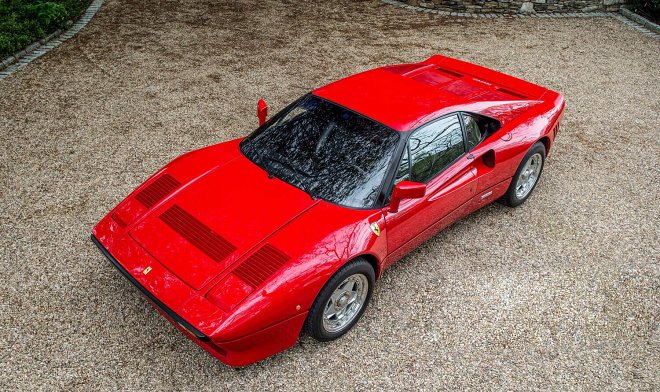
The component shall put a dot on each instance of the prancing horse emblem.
(375, 228)
(146, 270)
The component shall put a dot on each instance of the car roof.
(405, 96)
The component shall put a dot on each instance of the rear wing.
(504, 83)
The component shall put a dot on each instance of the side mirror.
(406, 190)
(262, 111)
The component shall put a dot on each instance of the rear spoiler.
(522, 88)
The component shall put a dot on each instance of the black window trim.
(460, 122)
(406, 138)
(464, 131)
(476, 116)
(388, 184)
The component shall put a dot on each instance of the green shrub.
(49, 16)
(25, 21)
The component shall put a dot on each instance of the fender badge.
(146, 271)
(375, 228)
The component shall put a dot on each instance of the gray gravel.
(560, 293)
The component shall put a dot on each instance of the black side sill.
(150, 296)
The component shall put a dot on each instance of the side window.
(403, 171)
(435, 146)
(473, 129)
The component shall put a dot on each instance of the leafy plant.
(25, 21)
(49, 15)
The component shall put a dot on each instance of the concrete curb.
(637, 26)
(640, 19)
(23, 57)
(636, 22)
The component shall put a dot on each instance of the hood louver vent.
(197, 233)
(261, 265)
(118, 220)
(157, 190)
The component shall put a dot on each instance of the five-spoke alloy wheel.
(345, 303)
(529, 175)
(526, 177)
(342, 301)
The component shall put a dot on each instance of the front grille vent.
(157, 190)
(261, 265)
(197, 233)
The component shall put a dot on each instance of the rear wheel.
(342, 301)
(526, 177)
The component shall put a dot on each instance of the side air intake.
(261, 265)
(197, 233)
(157, 190)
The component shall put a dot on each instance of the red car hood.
(210, 222)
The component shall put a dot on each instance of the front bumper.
(240, 352)
(155, 301)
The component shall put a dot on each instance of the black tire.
(510, 198)
(314, 325)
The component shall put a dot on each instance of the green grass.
(25, 21)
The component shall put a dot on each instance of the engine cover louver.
(197, 233)
(157, 190)
(261, 265)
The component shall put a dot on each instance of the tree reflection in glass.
(328, 151)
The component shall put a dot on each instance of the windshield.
(329, 152)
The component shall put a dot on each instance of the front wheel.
(342, 301)
(526, 177)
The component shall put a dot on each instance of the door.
(488, 153)
(436, 155)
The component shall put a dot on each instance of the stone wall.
(518, 6)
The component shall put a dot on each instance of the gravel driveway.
(560, 293)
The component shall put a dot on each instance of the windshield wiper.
(298, 173)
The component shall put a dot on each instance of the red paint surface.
(231, 198)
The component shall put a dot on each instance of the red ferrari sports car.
(244, 244)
